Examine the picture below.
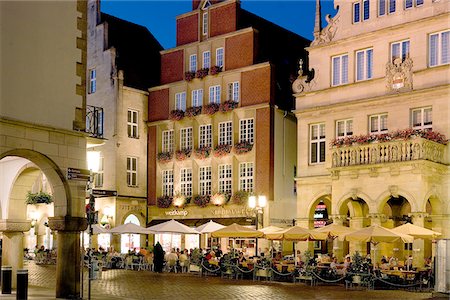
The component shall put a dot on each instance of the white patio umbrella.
(209, 227)
(130, 228)
(97, 229)
(416, 231)
(172, 226)
(271, 229)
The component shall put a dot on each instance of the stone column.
(13, 244)
(357, 223)
(338, 246)
(68, 263)
(304, 246)
(418, 252)
(377, 251)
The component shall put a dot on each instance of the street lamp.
(257, 204)
(93, 162)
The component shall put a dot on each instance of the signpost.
(104, 193)
(78, 174)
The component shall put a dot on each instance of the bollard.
(22, 285)
(6, 279)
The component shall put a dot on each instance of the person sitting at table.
(241, 258)
(384, 264)
(428, 262)
(334, 263)
(278, 256)
(408, 263)
(347, 264)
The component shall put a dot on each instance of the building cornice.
(135, 90)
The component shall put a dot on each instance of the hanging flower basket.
(183, 154)
(202, 73)
(39, 198)
(240, 197)
(219, 199)
(188, 76)
(202, 201)
(164, 201)
(215, 70)
(228, 105)
(222, 150)
(165, 157)
(176, 115)
(179, 200)
(202, 152)
(211, 108)
(193, 111)
(243, 147)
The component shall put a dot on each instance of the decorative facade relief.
(399, 75)
(304, 82)
(327, 34)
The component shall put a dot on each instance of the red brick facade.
(187, 29)
(239, 51)
(264, 152)
(172, 66)
(256, 86)
(223, 19)
(151, 163)
(158, 105)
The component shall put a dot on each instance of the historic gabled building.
(219, 123)
(371, 113)
(123, 62)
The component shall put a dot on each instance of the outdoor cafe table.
(405, 275)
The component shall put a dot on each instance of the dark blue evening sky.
(159, 16)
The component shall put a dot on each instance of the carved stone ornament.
(327, 34)
(303, 82)
(67, 223)
(15, 225)
(399, 75)
(393, 190)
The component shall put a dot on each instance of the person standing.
(158, 258)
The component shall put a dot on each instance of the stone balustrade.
(386, 152)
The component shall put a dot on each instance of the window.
(246, 177)
(205, 139)
(366, 10)
(378, 123)
(193, 63)
(180, 101)
(422, 118)
(340, 69)
(205, 23)
(204, 181)
(167, 141)
(364, 64)
(186, 138)
(186, 182)
(246, 130)
(206, 59)
(219, 57)
(225, 179)
(92, 81)
(317, 143)
(400, 50)
(408, 4)
(214, 94)
(233, 91)
(197, 97)
(132, 124)
(226, 133)
(356, 12)
(167, 183)
(419, 2)
(100, 172)
(391, 6)
(381, 7)
(439, 48)
(344, 128)
(132, 171)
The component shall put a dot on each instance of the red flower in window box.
(228, 105)
(193, 111)
(164, 157)
(176, 115)
(164, 201)
(211, 108)
(183, 154)
(215, 70)
(202, 152)
(202, 73)
(222, 150)
(243, 147)
(202, 201)
(188, 76)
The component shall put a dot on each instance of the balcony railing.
(387, 152)
(94, 121)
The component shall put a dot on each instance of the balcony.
(387, 152)
(94, 121)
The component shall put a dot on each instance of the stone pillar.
(357, 223)
(377, 251)
(418, 252)
(304, 246)
(13, 244)
(338, 246)
(68, 263)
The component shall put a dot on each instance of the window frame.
(401, 44)
(167, 140)
(92, 80)
(225, 131)
(247, 130)
(197, 97)
(341, 73)
(391, 6)
(131, 171)
(345, 124)
(379, 123)
(363, 12)
(214, 94)
(439, 48)
(222, 56)
(205, 136)
(186, 140)
(180, 101)
(205, 180)
(246, 181)
(205, 21)
(356, 15)
(186, 182)
(133, 127)
(382, 12)
(367, 65)
(99, 175)
(422, 125)
(225, 179)
(206, 59)
(167, 182)
(233, 91)
(317, 141)
(193, 63)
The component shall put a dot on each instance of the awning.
(197, 222)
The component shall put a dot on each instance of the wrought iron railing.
(94, 121)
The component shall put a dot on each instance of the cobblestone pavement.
(126, 284)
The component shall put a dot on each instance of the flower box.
(202, 201)
(222, 150)
(243, 147)
(202, 152)
(202, 73)
(38, 198)
(164, 157)
(228, 105)
(164, 201)
(193, 111)
(215, 70)
(240, 197)
(183, 154)
(211, 108)
(188, 76)
(176, 115)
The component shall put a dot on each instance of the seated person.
(347, 263)
(334, 263)
(384, 264)
(241, 258)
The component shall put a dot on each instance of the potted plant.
(202, 200)
(202, 152)
(215, 70)
(176, 115)
(240, 197)
(228, 105)
(202, 73)
(193, 111)
(242, 147)
(164, 157)
(164, 201)
(211, 108)
(38, 198)
(222, 150)
(183, 154)
(188, 76)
